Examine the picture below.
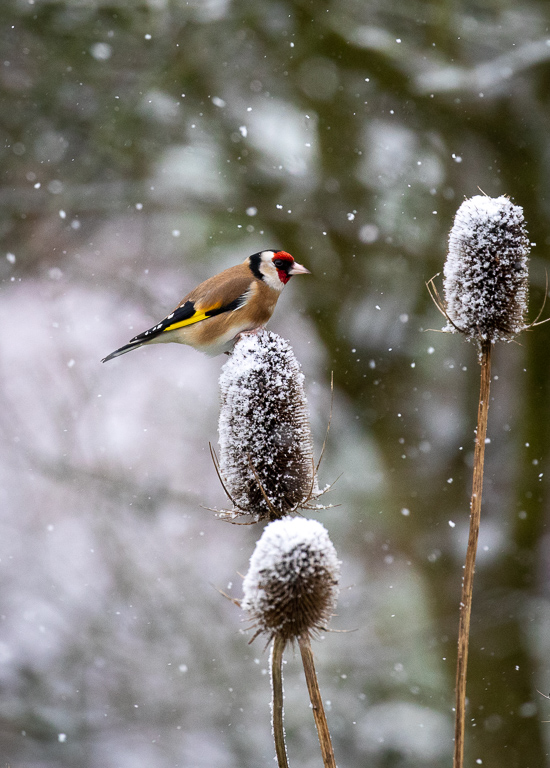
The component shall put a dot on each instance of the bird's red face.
(286, 266)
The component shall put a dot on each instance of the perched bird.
(240, 298)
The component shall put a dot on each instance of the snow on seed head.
(486, 270)
(291, 587)
(266, 450)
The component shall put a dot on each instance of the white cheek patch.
(267, 268)
(272, 279)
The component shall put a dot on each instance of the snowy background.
(146, 146)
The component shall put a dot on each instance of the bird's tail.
(126, 348)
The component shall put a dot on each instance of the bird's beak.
(297, 269)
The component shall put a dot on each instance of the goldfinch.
(241, 298)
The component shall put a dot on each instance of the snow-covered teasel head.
(291, 587)
(486, 270)
(266, 452)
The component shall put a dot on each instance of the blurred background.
(146, 146)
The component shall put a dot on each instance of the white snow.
(486, 269)
(288, 550)
(101, 51)
(264, 430)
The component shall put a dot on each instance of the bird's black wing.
(185, 314)
(182, 315)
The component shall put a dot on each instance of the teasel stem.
(290, 593)
(469, 567)
(316, 701)
(486, 287)
(277, 650)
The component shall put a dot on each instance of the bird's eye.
(279, 263)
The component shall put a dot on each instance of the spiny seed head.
(291, 587)
(486, 270)
(264, 433)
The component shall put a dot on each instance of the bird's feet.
(242, 334)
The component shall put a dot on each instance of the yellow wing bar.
(196, 318)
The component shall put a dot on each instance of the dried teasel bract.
(266, 451)
(486, 270)
(291, 588)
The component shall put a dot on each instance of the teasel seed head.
(266, 451)
(486, 270)
(291, 587)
